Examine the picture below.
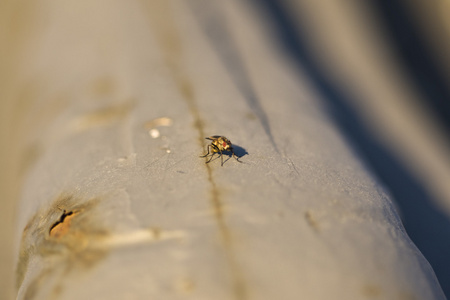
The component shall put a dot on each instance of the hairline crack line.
(163, 24)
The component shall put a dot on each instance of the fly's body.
(219, 144)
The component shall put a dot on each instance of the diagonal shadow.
(214, 24)
(427, 74)
(426, 225)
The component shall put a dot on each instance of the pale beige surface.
(9, 150)
(20, 120)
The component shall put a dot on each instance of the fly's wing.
(213, 137)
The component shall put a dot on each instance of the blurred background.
(382, 70)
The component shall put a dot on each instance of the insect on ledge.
(219, 144)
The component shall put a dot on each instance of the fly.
(220, 144)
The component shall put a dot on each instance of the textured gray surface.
(111, 209)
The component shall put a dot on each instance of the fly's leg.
(221, 157)
(235, 156)
(206, 153)
(212, 155)
(214, 151)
